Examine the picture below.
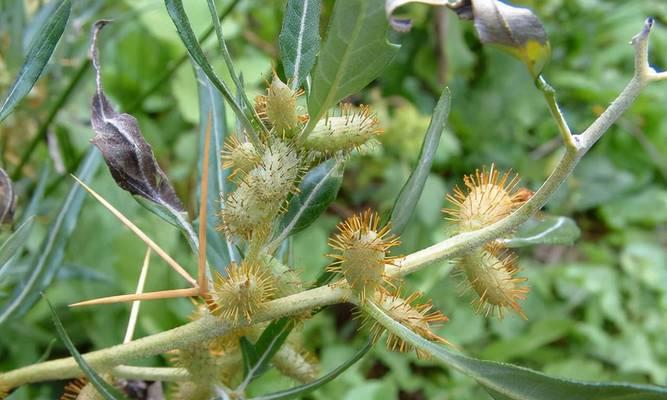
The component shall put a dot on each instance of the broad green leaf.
(13, 244)
(511, 382)
(354, 53)
(301, 390)
(49, 257)
(514, 29)
(180, 19)
(257, 360)
(299, 39)
(406, 202)
(38, 56)
(317, 190)
(220, 251)
(107, 391)
(544, 229)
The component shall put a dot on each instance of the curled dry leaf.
(127, 154)
(7, 199)
(516, 30)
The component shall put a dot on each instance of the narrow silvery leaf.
(211, 105)
(107, 391)
(127, 154)
(544, 229)
(299, 39)
(7, 199)
(48, 259)
(516, 30)
(411, 192)
(41, 48)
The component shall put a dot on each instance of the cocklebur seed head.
(362, 249)
(488, 197)
(353, 128)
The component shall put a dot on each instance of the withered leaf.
(516, 30)
(127, 154)
(7, 199)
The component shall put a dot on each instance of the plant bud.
(276, 175)
(298, 364)
(344, 133)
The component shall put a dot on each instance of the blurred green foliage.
(598, 309)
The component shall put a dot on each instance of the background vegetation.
(597, 310)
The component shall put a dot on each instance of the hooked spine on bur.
(278, 109)
(490, 270)
(362, 249)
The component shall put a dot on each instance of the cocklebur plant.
(284, 163)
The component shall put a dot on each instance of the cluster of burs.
(266, 171)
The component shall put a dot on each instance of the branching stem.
(210, 327)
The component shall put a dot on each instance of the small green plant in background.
(273, 178)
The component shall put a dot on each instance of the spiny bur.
(243, 291)
(488, 197)
(348, 131)
(239, 157)
(490, 271)
(362, 249)
(419, 318)
(278, 109)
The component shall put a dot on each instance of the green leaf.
(545, 229)
(38, 56)
(354, 53)
(269, 342)
(106, 390)
(180, 19)
(317, 190)
(299, 39)
(249, 354)
(13, 244)
(407, 199)
(49, 257)
(219, 250)
(511, 382)
(301, 390)
(7, 199)
(514, 29)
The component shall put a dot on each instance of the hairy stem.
(200, 330)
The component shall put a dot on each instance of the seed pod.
(244, 213)
(490, 271)
(243, 291)
(192, 391)
(362, 252)
(7, 198)
(487, 198)
(81, 389)
(417, 318)
(296, 363)
(343, 133)
(239, 157)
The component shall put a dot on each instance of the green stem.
(163, 374)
